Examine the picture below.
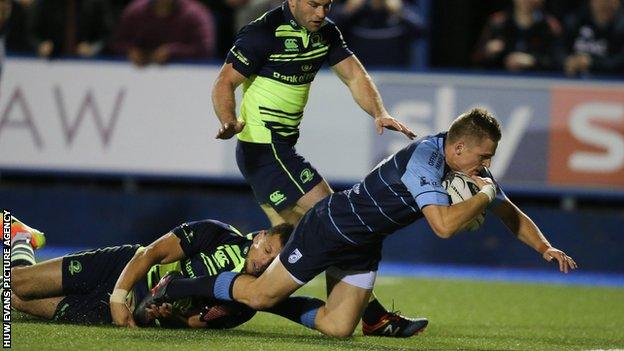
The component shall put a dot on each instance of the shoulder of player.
(329, 23)
(329, 27)
(267, 23)
(427, 143)
(427, 151)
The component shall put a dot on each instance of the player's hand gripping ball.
(461, 188)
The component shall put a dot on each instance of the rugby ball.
(461, 187)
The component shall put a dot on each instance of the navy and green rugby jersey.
(210, 247)
(280, 59)
(392, 195)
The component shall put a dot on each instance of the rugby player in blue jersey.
(275, 58)
(342, 235)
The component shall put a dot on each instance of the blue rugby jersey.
(392, 195)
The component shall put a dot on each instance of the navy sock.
(373, 312)
(299, 309)
(216, 286)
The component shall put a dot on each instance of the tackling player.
(343, 234)
(76, 288)
(276, 58)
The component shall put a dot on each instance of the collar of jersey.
(290, 19)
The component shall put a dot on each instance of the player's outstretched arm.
(224, 101)
(365, 93)
(529, 233)
(166, 249)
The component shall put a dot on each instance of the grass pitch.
(464, 315)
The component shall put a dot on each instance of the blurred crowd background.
(572, 37)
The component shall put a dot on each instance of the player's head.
(266, 245)
(310, 13)
(471, 141)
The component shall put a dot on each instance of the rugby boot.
(21, 231)
(392, 324)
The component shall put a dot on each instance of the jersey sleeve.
(338, 49)
(423, 176)
(250, 49)
(196, 237)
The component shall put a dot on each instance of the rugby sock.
(218, 286)
(22, 253)
(299, 309)
(373, 312)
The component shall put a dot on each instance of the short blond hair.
(476, 124)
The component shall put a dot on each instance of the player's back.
(387, 199)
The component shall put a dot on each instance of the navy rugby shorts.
(277, 175)
(88, 280)
(316, 246)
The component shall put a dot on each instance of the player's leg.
(293, 214)
(280, 178)
(265, 291)
(44, 308)
(38, 281)
(375, 317)
(30, 280)
(24, 240)
(259, 293)
(35, 287)
(274, 217)
(346, 301)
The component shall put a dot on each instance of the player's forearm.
(366, 95)
(447, 221)
(530, 234)
(462, 213)
(224, 101)
(136, 269)
(521, 225)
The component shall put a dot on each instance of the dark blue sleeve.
(196, 237)
(338, 49)
(423, 176)
(251, 49)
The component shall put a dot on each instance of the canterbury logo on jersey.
(277, 197)
(294, 256)
(291, 45)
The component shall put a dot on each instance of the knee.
(16, 302)
(339, 331)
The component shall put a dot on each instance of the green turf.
(464, 315)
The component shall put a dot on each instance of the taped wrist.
(489, 190)
(118, 296)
